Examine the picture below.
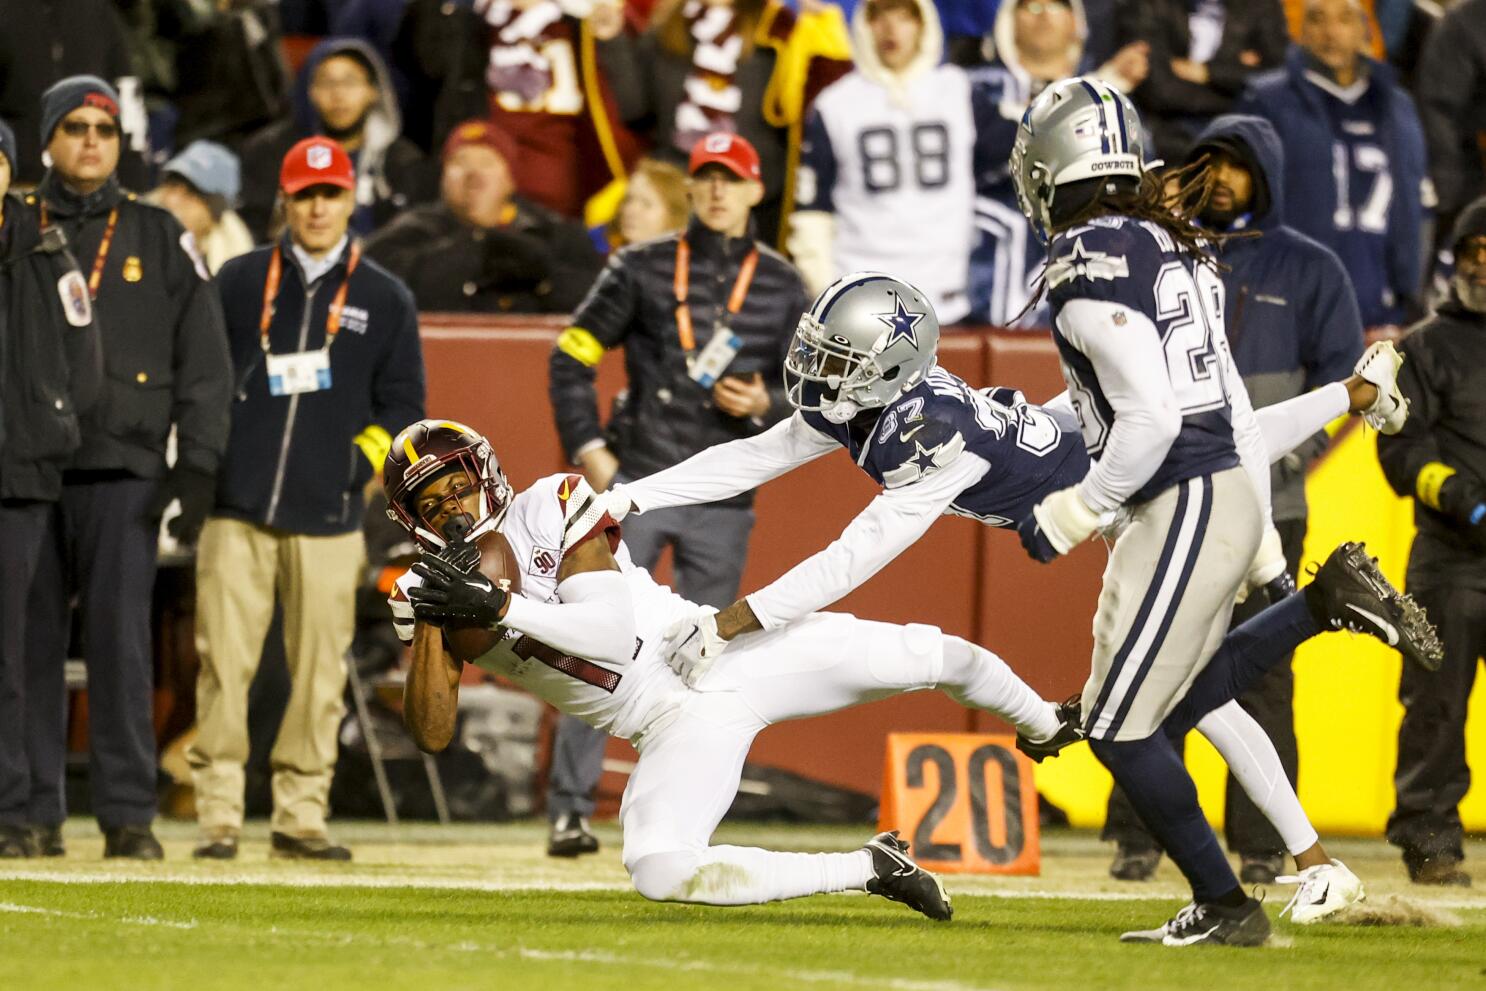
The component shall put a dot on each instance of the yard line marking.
(305, 879)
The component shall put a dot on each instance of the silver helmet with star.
(865, 340)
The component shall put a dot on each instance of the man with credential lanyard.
(704, 316)
(328, 367)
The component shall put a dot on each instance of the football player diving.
(570, 618)
(862, 376)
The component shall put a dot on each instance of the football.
(498, 563)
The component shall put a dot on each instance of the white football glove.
(1065, 519)
(692, 645)
(1268, 564)
(616, 503)
(1379, 366)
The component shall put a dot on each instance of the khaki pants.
(1167, 598)
(239, 567)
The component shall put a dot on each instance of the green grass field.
(480, 907)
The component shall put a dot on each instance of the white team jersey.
(903, 191)
(545, 522)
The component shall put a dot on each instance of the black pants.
(98, 546)
(1432, 775)
(1271, 703)
(709, 545)
(22, 532)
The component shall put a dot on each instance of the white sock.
(1254, 762)
(976, 677)
(740, 875)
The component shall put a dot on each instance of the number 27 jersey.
(1137, 265)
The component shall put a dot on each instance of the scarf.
(711, 95)
(520, 73)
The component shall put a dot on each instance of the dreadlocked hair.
(1171, 201)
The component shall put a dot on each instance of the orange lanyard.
(101, 258)
(271, 293)
(682, 284)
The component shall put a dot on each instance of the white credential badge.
(305, 371)
(73, 292)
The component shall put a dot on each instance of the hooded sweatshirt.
(886, 180)
(1290, 313)
(391, 173)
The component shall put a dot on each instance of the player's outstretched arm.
(729, 469)
(430, 696)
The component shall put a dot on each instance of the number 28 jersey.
(1136, 265)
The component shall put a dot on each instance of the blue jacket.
(1290, 311)
(1296, 108)
(292, 462)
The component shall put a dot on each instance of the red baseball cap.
(316, 162)
(483, 133)
(728, 150)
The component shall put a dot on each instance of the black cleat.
(16, 843)
(1444, 871)
(899, 879)
(282, 846)
(223, 847)
(132, 843)
(571, 837)
(1349, 592)
(1134, 863)
(1206, 923)
(1260, 868)
(48, 841)
(1070, 730)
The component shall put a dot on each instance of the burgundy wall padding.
(492, 374)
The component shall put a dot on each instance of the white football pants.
(690, 764)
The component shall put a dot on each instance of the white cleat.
(1324, 890)
(1379, 366)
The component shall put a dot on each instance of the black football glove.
(1464, 501)
(454, 591)
(197, 491)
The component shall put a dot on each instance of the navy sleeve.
(816, 178)
(920, 434)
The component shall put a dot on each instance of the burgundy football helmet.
(429, 449)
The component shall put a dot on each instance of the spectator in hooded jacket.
(200, 187)
(1355, 176)
(1451, 85)
(51, 370)
(342, 92)
(482, 249)
(1202, 52)
(1292, 324)
(328, 368)
(886, 158)
(1032, 44)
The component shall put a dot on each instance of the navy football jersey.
(1363, 177)
(1137, 265)
(1032, 450)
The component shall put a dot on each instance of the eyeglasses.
(107, 131)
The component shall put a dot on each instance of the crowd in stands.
(883, 129)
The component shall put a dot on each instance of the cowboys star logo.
(903, 323)
(1082, 263)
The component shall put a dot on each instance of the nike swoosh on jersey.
(1380, 622)
(907, 435)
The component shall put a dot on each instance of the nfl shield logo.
(318, 157)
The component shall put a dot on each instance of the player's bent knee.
(913, 659)
(664, 877)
